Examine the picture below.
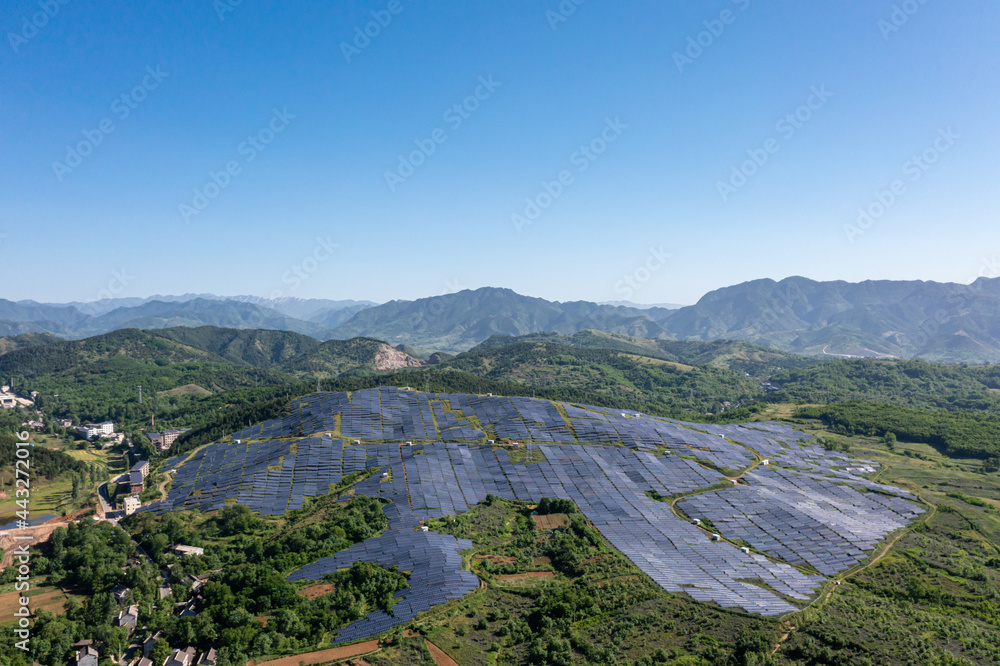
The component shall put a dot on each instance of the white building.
(96, 430)
(186, 551)
(131, 504)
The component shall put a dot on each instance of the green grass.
(46, 497)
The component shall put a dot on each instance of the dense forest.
(250, 557)
(957, 434)
(904, 383)
(45, 463)
(674, 388)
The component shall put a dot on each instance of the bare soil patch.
(52, 601)
(323, 656)
(441, 658)
(551, 521)
(316, 591)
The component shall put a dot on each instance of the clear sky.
(115, 116)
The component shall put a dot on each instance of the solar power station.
(795, 503)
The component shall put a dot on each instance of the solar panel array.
(265, 476)
(801, 519)
(434, 561)
(808, 506)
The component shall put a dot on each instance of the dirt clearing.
(551, 521)
(323, 656)
(316, 591)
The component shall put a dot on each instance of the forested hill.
(677, 388)
(261, 348)
(133, 344)
(734, 355)
(14, 342)
(906, 383)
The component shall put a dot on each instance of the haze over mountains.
(913, 319)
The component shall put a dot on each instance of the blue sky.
(309, 118)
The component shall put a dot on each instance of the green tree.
(160, 652)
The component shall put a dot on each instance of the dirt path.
(883, 551)
(323, 656)
(441, 658)
(160, 490)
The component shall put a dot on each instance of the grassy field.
(46, 497)
(187, 389)
(934, 598)
(56, 495)
(45, 597)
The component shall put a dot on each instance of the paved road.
(102, 496)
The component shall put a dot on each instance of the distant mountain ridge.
(458, 321)
(928, 320)
(915, 319)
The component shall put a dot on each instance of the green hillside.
(260, 348)
(734, 355)
(905, 383)
(674, 387)
(15, 342)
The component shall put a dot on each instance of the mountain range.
(907, 319)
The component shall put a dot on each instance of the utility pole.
(140, 394)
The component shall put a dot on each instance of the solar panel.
(804, 507)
